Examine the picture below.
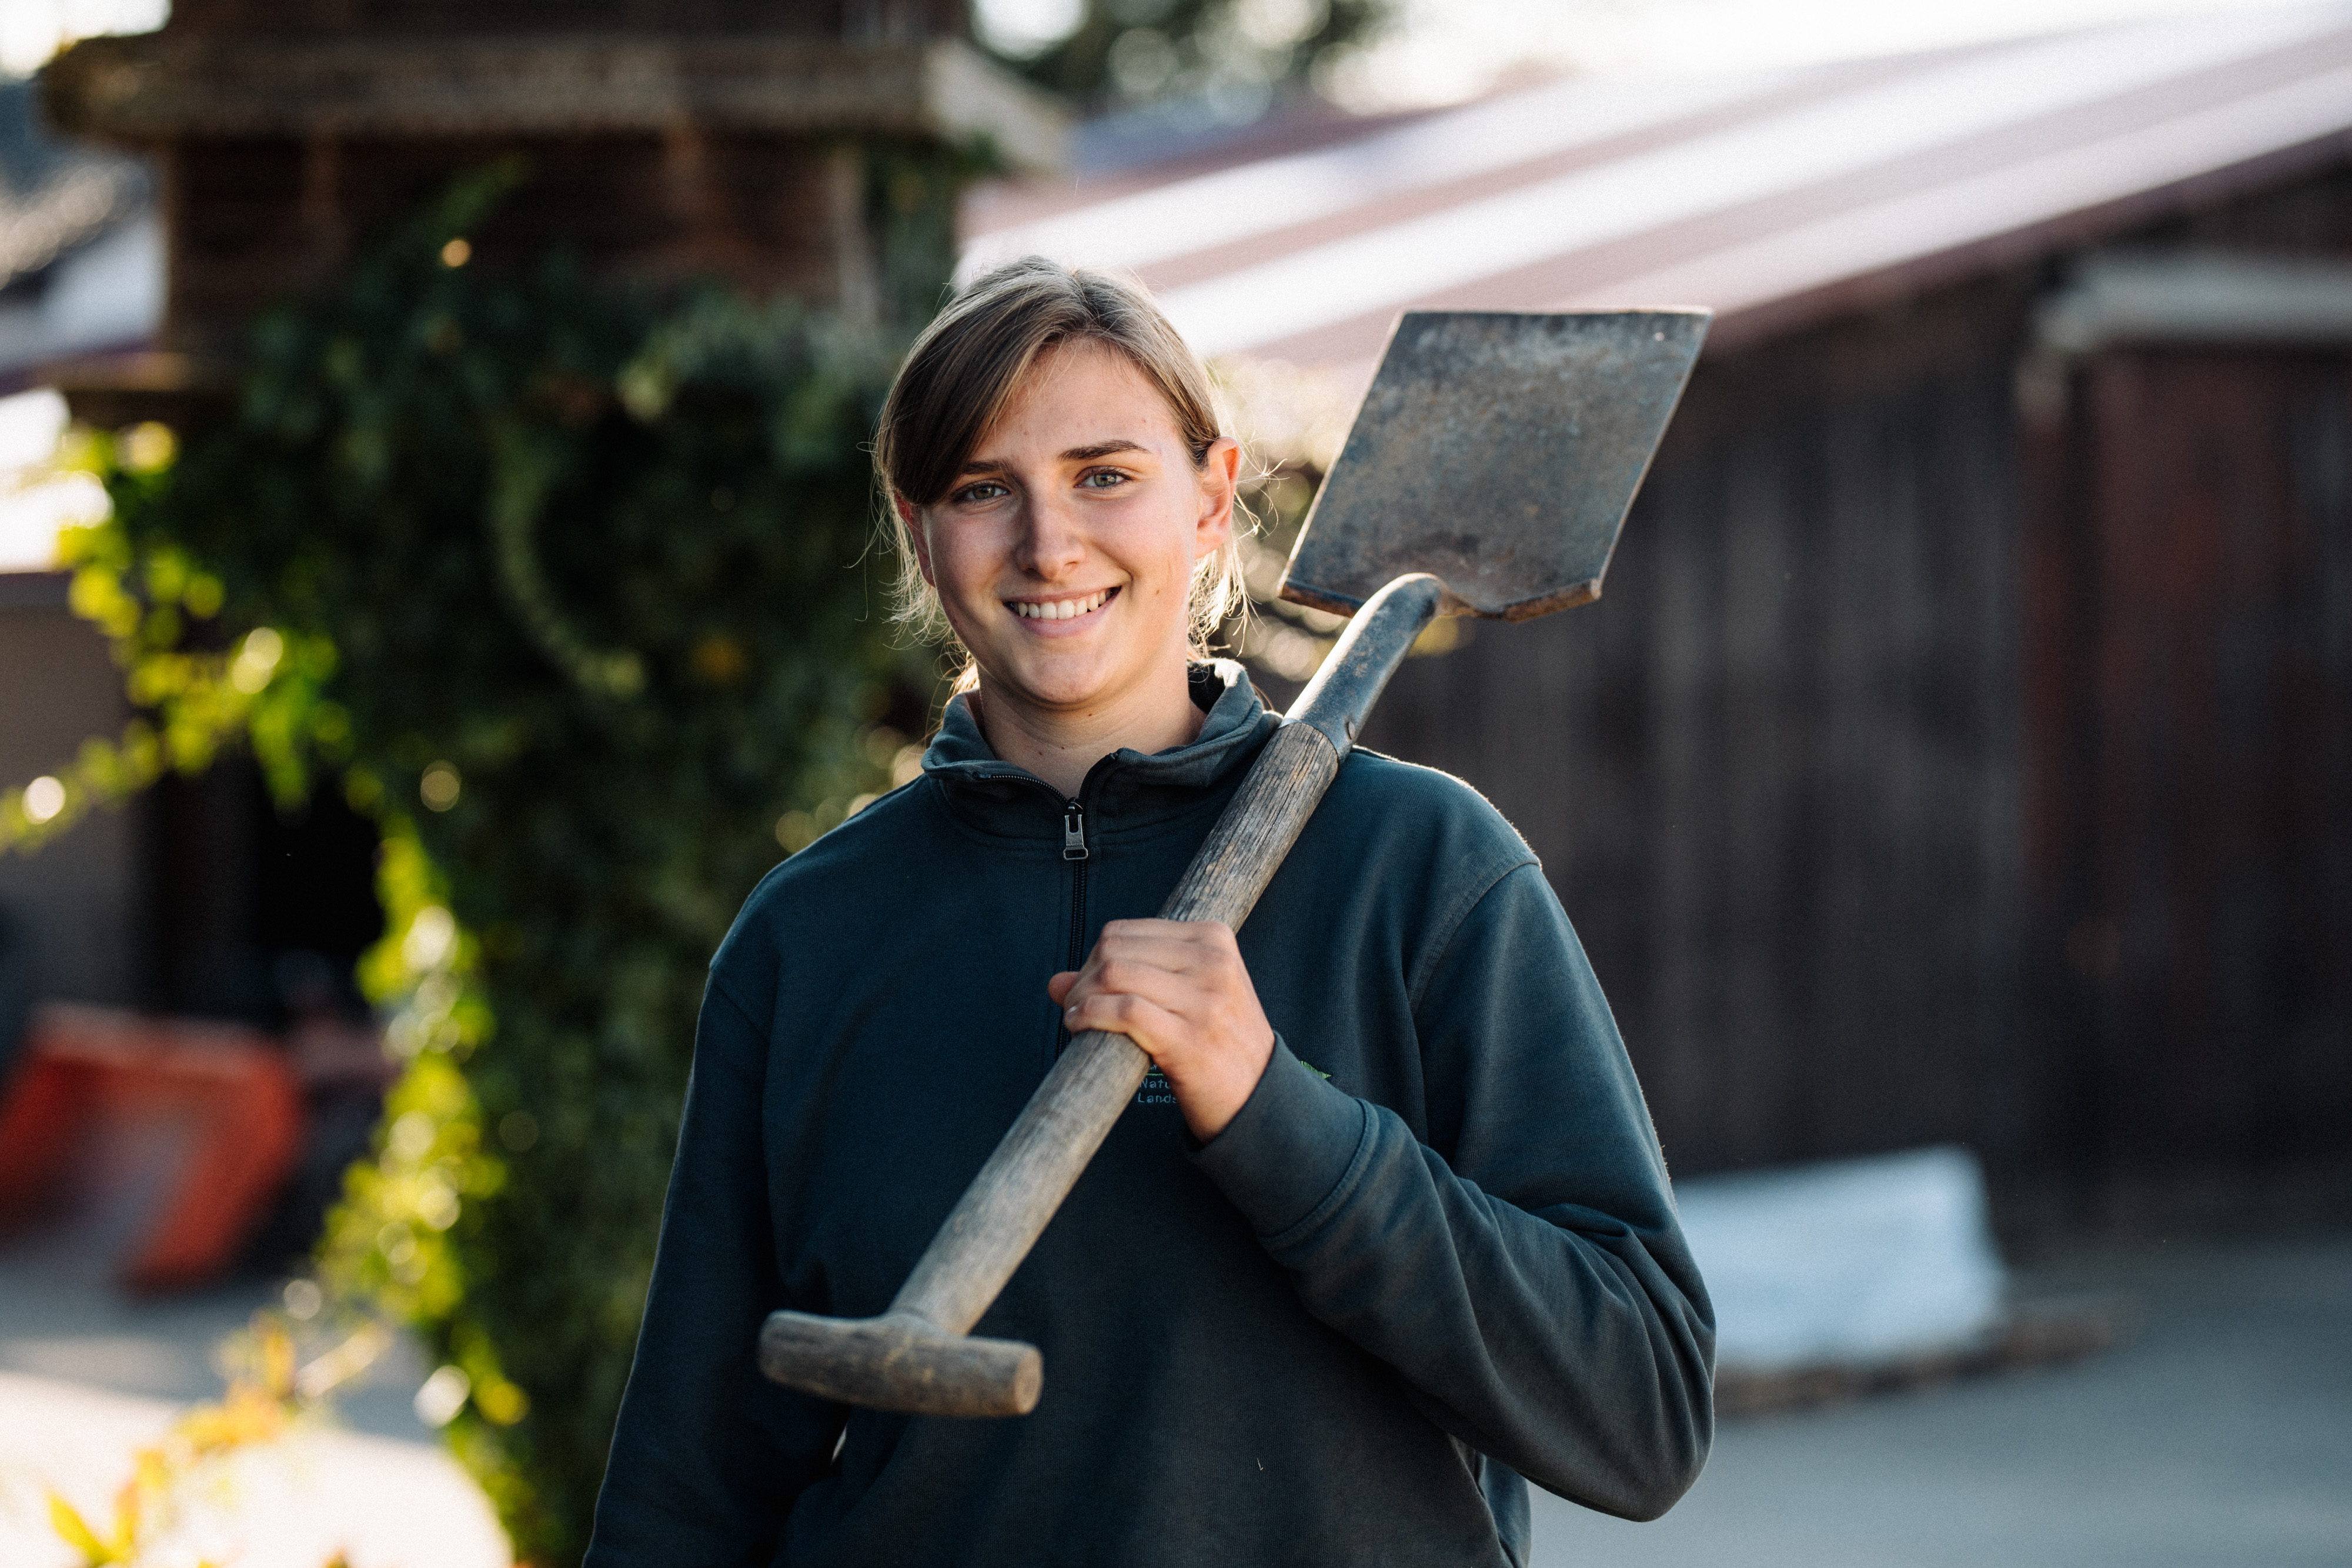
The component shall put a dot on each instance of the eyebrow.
(1074, 454)
(1100, 449)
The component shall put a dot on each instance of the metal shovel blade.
(1498, 451)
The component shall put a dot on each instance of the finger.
(1182, 932)
(1181, 976)
(1165, 990)
(1058, 986)
(1150, 1026)
(1190, 990)
(1175, 949)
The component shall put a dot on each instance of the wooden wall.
(1774, 772)
(75, 906)
(1962, 751)
(2190, 804)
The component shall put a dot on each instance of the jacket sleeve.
(709, 1455)
(1530, 1283)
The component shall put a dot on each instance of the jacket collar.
(1126, 790)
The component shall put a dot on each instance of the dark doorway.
(258, 913)
(2189, 677)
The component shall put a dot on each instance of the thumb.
(1059, 988)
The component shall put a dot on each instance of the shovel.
(1488, 474)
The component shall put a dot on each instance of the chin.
(1063, 687)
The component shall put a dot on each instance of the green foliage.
(570, 586)
(1133, 52)
(195, 695)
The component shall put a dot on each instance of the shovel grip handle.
(1006, 1208)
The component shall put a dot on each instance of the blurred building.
(741, 140)
(1963, 750)
(190, 177)
(80, 258)
(80, 272)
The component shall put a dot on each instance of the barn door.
(2189, 710)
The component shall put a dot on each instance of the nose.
(1052, 543)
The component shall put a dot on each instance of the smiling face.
(1063, 553)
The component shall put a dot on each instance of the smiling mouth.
(1061, 609)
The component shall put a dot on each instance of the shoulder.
(1402, 808)
(1414, 849)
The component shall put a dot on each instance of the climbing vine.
(567, 587)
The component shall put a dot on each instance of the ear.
(1220, 484)
(910, 517)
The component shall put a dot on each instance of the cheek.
(961, 565)
(1177, 582)
(1167, 546)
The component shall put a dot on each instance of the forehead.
(1085, 390)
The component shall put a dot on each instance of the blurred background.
(1953, 790)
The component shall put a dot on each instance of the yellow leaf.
(501, 1401)
(277, 1361)
(151, 1477)
(76, 1532)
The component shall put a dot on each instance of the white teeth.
(1060, 609)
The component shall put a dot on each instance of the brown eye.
(986, 490)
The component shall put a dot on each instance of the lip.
(1071, 627)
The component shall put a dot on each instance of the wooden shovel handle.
(1007, 1207)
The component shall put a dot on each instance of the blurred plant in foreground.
(262, 689)
(566, 588)
(176, 1482)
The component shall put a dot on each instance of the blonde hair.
(965, 368)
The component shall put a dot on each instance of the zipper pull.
(1073, 831)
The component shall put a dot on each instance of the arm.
(708, 1455)
(1531, 1285)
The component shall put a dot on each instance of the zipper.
(1074, 850)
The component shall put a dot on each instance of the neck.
(1059, 745)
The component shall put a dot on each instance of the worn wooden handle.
(1009, 1203)
(1007, 1206)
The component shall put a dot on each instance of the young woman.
(1387, 1229)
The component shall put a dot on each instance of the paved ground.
(2219, 1433)
(87, 1376)
(62, 1319)
(385, 1503)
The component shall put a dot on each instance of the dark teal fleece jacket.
(1440, 1258)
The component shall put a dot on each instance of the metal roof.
(1775, 198)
